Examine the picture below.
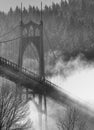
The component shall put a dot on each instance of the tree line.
(68, 24)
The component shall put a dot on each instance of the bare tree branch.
(13, 112)
(71, 121)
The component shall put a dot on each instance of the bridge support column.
(40, 114)
(45, 109)
(20, 58)
(42, 74)
(41, 122)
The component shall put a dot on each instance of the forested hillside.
(69, 26)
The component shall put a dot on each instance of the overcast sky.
(6, 4)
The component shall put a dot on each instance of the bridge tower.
(32, 32)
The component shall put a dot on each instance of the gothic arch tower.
(32, 33)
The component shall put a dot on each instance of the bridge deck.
(33, 82)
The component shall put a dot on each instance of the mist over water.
(76, 78)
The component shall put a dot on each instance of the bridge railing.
(19, 69)
(26, 72)
(8, 63)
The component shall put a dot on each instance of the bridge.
(35, 84)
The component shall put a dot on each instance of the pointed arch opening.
(31, 58)
(25, 32)
(31, 31)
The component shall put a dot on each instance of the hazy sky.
(6, 4)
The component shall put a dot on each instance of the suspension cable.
(10, 40)
(12, 29)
